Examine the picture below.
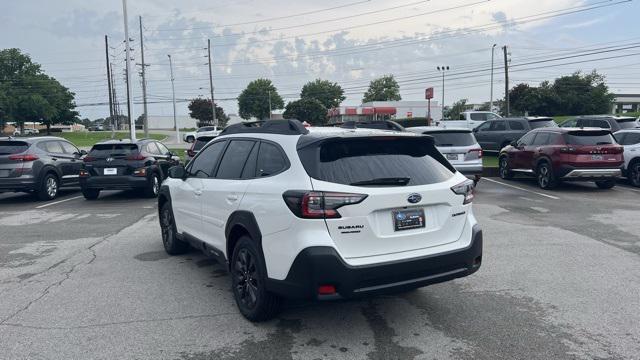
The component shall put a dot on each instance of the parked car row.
(44, 165)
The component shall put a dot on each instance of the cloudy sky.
(347, 41)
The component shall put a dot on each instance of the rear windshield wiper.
(603, 143)
(444, 145)
(399, 181)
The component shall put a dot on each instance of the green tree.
(200, 109)
(327, 93)
(455, 110)
(385, 88)
(254, 100)
(306, 109)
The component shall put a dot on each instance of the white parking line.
(522, 189)
(57, 202)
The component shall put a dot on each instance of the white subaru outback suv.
(321, 213)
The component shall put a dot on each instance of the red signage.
(428, 93)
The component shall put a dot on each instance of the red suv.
(553, 155)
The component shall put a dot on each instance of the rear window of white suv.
(376, 161)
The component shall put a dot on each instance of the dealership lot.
(560, 279)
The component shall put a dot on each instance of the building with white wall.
(379, 110)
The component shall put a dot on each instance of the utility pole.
(506, 79)
(491, 96)
(132, 123)
(144, 84)
(269, 104)
(443, 69)
(106, 48)
(173, 90)
(213, 104)
(116, 106)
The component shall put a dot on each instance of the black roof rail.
(281, 127)
(381, 125)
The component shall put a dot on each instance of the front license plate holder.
(407, 219)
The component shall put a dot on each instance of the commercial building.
(382, 110)
(624, 103)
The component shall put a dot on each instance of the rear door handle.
(197, 192)
(232, 198)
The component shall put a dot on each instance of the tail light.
(616, 150)
(24, 157)
(140, 172)
(190, 152)
(137, 156)
(84, 173)
(88, 159)
(465, 188)
(319, 204)
(474, 154)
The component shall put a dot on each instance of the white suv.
(321, 213)
(630, 140)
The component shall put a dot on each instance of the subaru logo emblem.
(414, 198)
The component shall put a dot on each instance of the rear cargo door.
(7, 165)
(111, 159)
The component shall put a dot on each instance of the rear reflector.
(24, 157)
(326, 290)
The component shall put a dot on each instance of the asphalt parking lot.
(89, 280)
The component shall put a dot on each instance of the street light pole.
(173, 90)
(132, 124)
(443, 69)
(491, 97)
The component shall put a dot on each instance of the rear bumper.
(18, 184)
(575, 173)
(113, 182)
(316, 266)
(469, 169)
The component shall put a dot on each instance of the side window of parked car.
(527, 139)
(202, 166)
(270, 160)
(151, 148)
(570, 123)
(68, 148)
(52, 147)
(498, 125)
(484, 126)
(234, 159)
(516, 125)
(542, 138)
(628, 138)
(163, 149)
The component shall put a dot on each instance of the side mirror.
(475, 130)
(177, 172)
(514, 144)
(83, 152)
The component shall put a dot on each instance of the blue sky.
(347, 41)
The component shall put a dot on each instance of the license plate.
(597, 157)
(111, 171)
(408, 219)
(452, 156)
(4, 173)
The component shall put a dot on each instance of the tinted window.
(68, 148)
(234, 159)
(112, 150)
(527, 139)
(482, 116)
(484, 126)
(570, 123)
(516, 125)
(461, 138)
(201, 142)
(202, 165)
(206, 128)
(586, 138)
(498, 126)
(12, 147)
(249, 171)
(596, 123)
(542, 123)
(542, 138)
(627, 123)
(270, 160)
(349, 161)
(629, 138)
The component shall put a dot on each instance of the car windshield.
(113, 150)
(589, 138)
(12, 147)
(452, 138)
(379, 161)
(542, 123)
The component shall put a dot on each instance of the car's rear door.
(409, 203)
(72, 163)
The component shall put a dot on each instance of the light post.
(491, 97)
(443, 69)
(173, 90)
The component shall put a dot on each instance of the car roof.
(32, 140)
(564, 130)
(124, 141)
(436, 129)
(632, 130)
(606, 117)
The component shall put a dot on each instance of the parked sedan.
(41, 165)
(493, 135)
(126, 165)
(459, 146)
(630, 140)
(553, 155)
(610, 122)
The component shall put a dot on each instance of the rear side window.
(270, 160)
(234, 159)
(498, 125)
(52, 147)
(542, 138)
(527, 139)
(535, 124)
(112, 150)
(516, 125)
(203, 164)
(445, 139)
(589, 138)
(13, 147)
(627, 123)
(629, 139)
(604, 124)
(152, 148)
(68, 148)
(380, 161)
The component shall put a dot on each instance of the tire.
(49, 187)
(248, 276)
(503, 168)
(546, 178)
(606, 184)
(91, 194)
(153, 188)
(633, 173)
(172, 245)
